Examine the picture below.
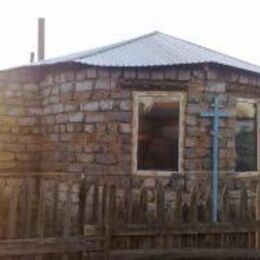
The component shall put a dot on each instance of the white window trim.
(182, 99)
(257, 102)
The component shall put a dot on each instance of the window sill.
(150, 173)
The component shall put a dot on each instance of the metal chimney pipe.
(41, 39)
(32, 57)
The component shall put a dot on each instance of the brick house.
(130, 108)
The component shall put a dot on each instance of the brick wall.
(86, 122)
(20, 129)
(87, 115)
(80, 119)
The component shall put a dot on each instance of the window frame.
(255, 101)
(181, 97)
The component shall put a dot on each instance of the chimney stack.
(32, 57)
(41, 38)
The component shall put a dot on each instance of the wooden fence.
(60, 216)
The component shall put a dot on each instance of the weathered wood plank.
(28, 221)
(68, 207)
(193, 212)
(67, 216)
(55, 213)
(128, 204)
(95, 204)
(243, 214)
(108, 222)
(2, 208)
(188, 229)
(178, 208)
(48, 245)
(12, 212)
(143, 205)
(257, 214)
(160, 202)
(225, 212)
(187, 253)
(40, 209)
(82, 205)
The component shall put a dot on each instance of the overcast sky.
(229, 26)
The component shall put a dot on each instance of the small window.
(246, 135)
(158, 132)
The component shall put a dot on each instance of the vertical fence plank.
(55, 214)
(193, 212)
(257, 214)
(143, 205)
(40, 211)
(243, 214)
(128, 203)
(95, 204)
(178, 208)
(113, 205)
(67, 215)
(68, 211)
(82, 205)
(22, 201)
(13, 208)
(108, 222)
(225, 210)
(128, 212)
(104, 197)
(160, 202)
(28, 208)
(208, 207)
(2, 207)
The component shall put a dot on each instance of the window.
(158, 135)
(246, 135)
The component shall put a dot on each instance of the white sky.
(230, 26)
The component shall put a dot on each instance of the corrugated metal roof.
(154, 49)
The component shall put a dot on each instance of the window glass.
(246, 135)
(158, 134)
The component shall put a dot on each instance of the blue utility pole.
(216, 114)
